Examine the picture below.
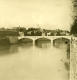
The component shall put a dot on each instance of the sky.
(51, 14)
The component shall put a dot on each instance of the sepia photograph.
(38, 39)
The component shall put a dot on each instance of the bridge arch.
(61, 40)
(43, 39)
(25, 40)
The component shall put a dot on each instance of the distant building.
(49, 33)
(67, 33)
(43, 34)
(29, 32)
(62, 33)
(21, 33)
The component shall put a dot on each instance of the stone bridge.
(48, 37)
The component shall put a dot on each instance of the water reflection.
(4, 50)
(43, 44)
(61, 43)
(41, 61)
(11, 49)
(8, 49)
(25, 45)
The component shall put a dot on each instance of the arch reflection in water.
(25, 42)
(25, 45)
(61, 43)
(43, 44)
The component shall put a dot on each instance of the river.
(28, 62)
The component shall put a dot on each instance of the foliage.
(74, 28)
(32, 31)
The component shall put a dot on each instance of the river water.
(30, 62)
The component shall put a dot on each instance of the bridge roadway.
(48, 37)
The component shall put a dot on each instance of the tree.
(74, 28)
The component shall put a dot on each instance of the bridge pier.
(33, 42)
